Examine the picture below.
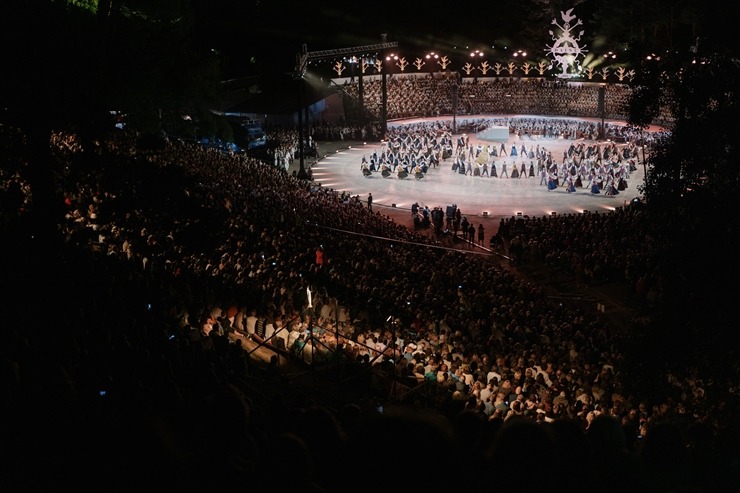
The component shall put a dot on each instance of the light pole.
(455, 97)
(644, 168)
(476, 55)
(361, 88)
(388, 60)
(602, 109)
(301, 63)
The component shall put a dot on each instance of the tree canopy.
(691, 183)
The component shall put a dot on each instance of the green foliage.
(702, 98)
(691, 184)
(88, 5)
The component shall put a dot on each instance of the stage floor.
(480, 198)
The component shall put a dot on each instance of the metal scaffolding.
(302, 60)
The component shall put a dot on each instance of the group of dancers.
(607, 178)
(603, 169)
(477, 160)
(596, 166)
(406, 154)
(399, 169)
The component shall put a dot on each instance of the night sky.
(271, 33)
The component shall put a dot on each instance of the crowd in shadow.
(120, 367)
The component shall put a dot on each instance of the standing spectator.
(370, 202)
(481, 234)
(250, 322)
(471, 234)
(451, 216)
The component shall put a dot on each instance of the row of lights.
(473, 54)
(480, 54)
(517, 54)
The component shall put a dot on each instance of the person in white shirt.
(493, 374)
(486, 392)
(250, 322)
(380, 348)
(281, 334)
(269, 330)
(295, 333)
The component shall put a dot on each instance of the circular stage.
(480, 198)
(494, 133)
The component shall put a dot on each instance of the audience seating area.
(410, 96)
(125, 360)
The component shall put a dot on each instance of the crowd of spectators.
(410, 96)
(175, 256)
